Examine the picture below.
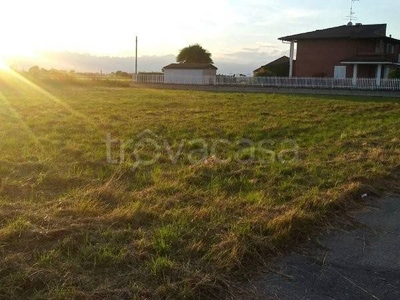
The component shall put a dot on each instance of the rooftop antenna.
(352, 13)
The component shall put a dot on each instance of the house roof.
(190, 66)
(357, 31)
(279, 61)
(368, 59)
(391, 40)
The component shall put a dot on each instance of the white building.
(189, 73)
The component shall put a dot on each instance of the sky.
(240, 34)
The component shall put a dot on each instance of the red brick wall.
(318, 58)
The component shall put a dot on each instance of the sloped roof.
(357, 31)
(282, 60)
(190, 66)
(279, 61)
(392, 40)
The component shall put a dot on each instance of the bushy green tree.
(264, 72)
(394, 74)
(34, 70)
(122, 74)
(194, 54)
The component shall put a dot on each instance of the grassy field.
(133, 193)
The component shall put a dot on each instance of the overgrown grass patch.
(78, 223)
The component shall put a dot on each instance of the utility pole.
(136, 54)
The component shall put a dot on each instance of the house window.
(340, 72)
(379, 47)
(389, 49)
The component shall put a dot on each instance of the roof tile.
(357, 31)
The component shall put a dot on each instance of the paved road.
(362, 263)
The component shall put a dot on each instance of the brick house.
(357, 51)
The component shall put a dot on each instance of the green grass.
(74, 226)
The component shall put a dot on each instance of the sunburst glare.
(3, 64)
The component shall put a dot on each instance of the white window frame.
(340, 72)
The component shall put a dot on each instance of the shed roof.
(357, 31)
(190, 66)
(282, 60)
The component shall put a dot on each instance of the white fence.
(189, 80)
(279, 82)
(148, 78)
(197, 80)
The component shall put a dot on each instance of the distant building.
(358, 51)
(190, 73)
(278, 68)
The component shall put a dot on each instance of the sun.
(3, 65)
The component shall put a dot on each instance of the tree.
(123, 74)
(194, 54)
(264, 72)
(34, 70)
(395, 73)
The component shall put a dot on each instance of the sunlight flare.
(53, 98)
(13, 112)
(3, 65)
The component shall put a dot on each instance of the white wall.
(210, 76)
(183, 76)
(189, 76)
